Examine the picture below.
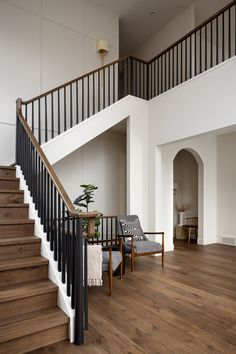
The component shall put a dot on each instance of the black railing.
(107, 230)
(211, 43)
(61, 223)
(55, 111)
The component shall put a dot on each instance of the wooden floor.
(189, 307)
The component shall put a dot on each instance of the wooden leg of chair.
(132, 256)
(110, 272)
(121, 265)
(163, 249)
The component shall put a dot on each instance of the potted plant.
(83, 201)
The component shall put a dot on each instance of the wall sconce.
(102, 49)
(175, 188)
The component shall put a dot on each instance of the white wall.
(45, 43)
(136, 112)
(203, 104)
(174, 30)
(226, 145)
(186, 175)
(101, 162)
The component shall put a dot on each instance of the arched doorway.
(187, 195)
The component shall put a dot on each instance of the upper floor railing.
(59, 109)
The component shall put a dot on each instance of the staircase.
(29, 316)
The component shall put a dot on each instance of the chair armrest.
(154, 233)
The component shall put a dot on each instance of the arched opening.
(187, 196)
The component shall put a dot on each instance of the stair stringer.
(63, 301)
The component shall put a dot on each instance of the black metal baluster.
(195, 54)
(59, 225)
(39, 122)
(211, 44)
(229, 23)
(83, 99)
(205, 47)
(52, 115)
(65, 113)
(63, 256)
(55, 195)
(68, 255)
(103, 82)
(109, 87)
(93, 93)
(114, 82)
(200, 50)
(217, 40)
(58, 113)
(51, 216)
(88, 98)
(190, 58)
(77, 101)
(46, 119)
(181, 62)
(186, 60)
(71, 107)
(223, 36)
(99, 98)
(32, 104)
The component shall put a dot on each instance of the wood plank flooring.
(189, 307)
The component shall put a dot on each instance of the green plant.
(87, 197)
(83, 201)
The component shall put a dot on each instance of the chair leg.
(132, 256)
(162, 259)
(110, 272)
(121, 270)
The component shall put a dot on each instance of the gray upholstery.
(140, 246)
(143, 246)
(116, 260)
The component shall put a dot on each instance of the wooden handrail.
(70, 207)
(80, 78)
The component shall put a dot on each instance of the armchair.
(135, 240)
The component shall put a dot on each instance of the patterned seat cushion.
(143, 246)
(116, 260)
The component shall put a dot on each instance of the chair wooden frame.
(134, 255)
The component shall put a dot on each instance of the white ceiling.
(137, 25)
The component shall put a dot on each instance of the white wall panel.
(33, 6)
(62, 57)
(68, 13)
(108, 28)
(15, 81)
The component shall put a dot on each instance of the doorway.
(185, 198)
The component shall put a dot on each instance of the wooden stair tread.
(18, 263)
(13, 191)
(18, 291)
(11, 240)
(15, 205)
(7, 168)
(16, 221)
(33, 322)
(9, 179)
